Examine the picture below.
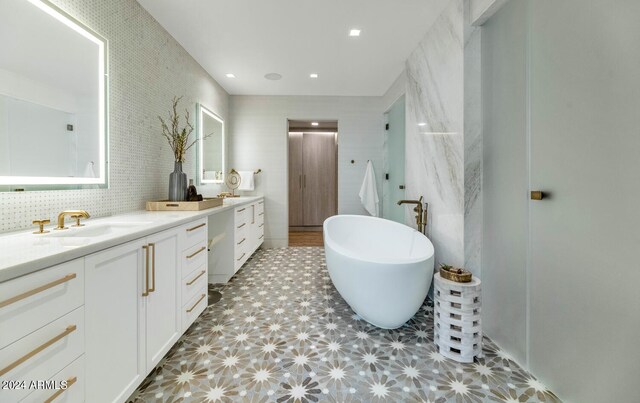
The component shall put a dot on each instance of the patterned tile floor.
(282, 333)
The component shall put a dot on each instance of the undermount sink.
(95, 230)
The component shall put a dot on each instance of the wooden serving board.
(166, 205)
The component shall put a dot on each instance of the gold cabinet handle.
(241, 210)
(196, 252)
(37, 290)
(253, 216)
(261, 236)
(242, 225)
(196, 304)
(146, 271)
(196, 227)
(153, 267)
(70, 382)
(240, 258)
(243, 239)
(197, 277)
(261, 213)
(261, 202)
(538, 195)
(70, 329)
(261, 225)
(300, 180)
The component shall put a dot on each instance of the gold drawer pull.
(196, 227)
(261, 236)
(70, 329)
(196, 252)
(261, 202)
(261, 213)
(261, 225)
(70, 382)
(196, 304)
(37, 290)
(243, 239)
(240, 258)
(197, 277)
(241, 225)
(241, 210)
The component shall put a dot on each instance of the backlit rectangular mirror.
(211, 146)
(53, 89)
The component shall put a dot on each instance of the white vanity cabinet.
(41, 327)
(134, 296)
(248, 231)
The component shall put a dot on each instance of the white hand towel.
(369, 192)
(246, 180)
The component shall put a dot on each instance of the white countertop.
(24, 252)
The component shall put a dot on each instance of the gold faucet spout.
(421, 213)
(81, 213)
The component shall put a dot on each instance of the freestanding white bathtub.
(382, 269)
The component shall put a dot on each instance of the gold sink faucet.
(78, 213)
(421, 213)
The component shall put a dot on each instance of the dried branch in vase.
(178, 138)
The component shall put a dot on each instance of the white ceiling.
(251, 38)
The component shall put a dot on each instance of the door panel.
(295, 180)
(114, 344)
(319, 177)
(394, 150)
(163, 321)
(585, 148)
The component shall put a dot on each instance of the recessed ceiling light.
(230, 75)
(314, 123)
(313, 75)
(354, 32)
(422, 124)
(273, 76)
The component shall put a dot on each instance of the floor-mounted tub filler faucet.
(421, 213)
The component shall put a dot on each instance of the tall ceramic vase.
(177, 183)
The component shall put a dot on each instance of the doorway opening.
(313, 179)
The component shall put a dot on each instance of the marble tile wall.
(147, 68)
(443, 145)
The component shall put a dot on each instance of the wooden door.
(295, 180)
(163, 318)
(319, 177)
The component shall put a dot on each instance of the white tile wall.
(259, 140)
(147, 68)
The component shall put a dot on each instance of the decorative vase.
(177, 183)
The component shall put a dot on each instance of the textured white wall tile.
(147, 67)
(259, 140)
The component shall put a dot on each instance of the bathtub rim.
(395, 261)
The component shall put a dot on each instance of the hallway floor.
(306, 238)
(282, 333)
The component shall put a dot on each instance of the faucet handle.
(77, 217)
(41, 223)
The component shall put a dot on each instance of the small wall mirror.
(53, 79)
(211, 146)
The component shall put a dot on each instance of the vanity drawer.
(73, 374)
(194, 257)
(193, 233)
(42, 353)
(194, 308)
(193, 283)
(242, 217)
(29, 302)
